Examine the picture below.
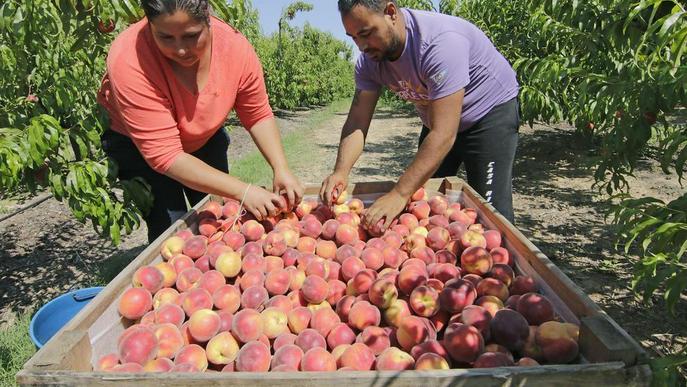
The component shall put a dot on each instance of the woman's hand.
(332, 187)
(286, 183)
(260, 202)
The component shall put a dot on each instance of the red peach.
(362, 315)
(318, 359)
(149, 278)
(523, 284)
(252, 230)
(310, 338)
(135, 302)
(227, 297)
(137, 344)
(247, 325)
(299, 319)
(476, 260)
(253, 357)
(289, 355)
(274, 322)
(254, 297)
(501, 255)
(376, 338)
(358, 357)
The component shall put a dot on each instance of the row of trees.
(52, 57)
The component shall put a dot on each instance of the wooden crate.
(610, 357)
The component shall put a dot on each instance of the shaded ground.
(44, 252)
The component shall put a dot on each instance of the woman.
(172, 79)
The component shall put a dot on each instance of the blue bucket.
(56, 313)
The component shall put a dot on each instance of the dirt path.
(44, 251)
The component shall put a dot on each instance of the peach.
(149, 278)
(350, 267)
(510, 329)
(277, 282)
(234, 239)
(343, 307)
(286, 338)
(376, 338)
(424, 301)
(107, 362)
(411, 332)
(503, 273)
(226, 318)
(184, 234)
(212, 210)
(358, 356)
(437, 221)
(209, 226)
(438, 204)
(501, 255)
(253, 262)
(254, 277)
(492, 287)
(254, 247)
(492, 360)
(345, 251)
(512, 302)
(211, 280)
(289, 355)
(227, 297)
(326, 249)
(337, 289)
(306, 244)
(169, 274)
(274, 244)
(526, 362)
(310, 338)
(160, 364)
(523, 284)
(420, 209)
(408, 220)
(419, 194)
(425, 254)
(356, 205)
(340, 334)
(290, 257)
(531, 348)
(315, 289)
(431, 361)
(429, 346)
(329, 229)
(334, 270)
(127, 367)
(478, 317)
(274, 322)
(438, 238)
(297, 278)
(247, 325)
(362, 315)
(170, 313)
(137, 344)
(473, 238)
(298, 319)
(413, 241)
(318, 359)
(135, 302)
(188, 279)
(203, 324)
(181, 262)
(393, 257)
(490, 303)
(463, 343)
(148, 319)
(311, 227)
(169, 340)
(476, 260)
(474, 279)
(383, 292)
(195, 247)
(254, 297)
(280, 301)
(536, 308)
(558, 341)
(171, 246)
(346, 234)
(196, 299)
(456, 295)
(254, 356)
(222, 349)
(393, 359)
(202, 263)
(231, 208)
(409, 278)
(493, 239)
(445, 272)
(252, 230)
(318, 267)
(414, 262)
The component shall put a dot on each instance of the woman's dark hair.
(197, 9)
(345, 6)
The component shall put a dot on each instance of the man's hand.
(332, 187)
(285, 182)
(386, 207)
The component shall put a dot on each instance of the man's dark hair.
(345, 6)
(197, 9)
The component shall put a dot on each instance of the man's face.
(373, 32)
(180, 37)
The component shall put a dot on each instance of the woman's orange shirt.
(163, 118)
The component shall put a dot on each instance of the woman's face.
(180, 37)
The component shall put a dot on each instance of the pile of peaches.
(312, 290)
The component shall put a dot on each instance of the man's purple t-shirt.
(442, 55)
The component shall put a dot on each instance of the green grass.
(15, 349)
(254, 169)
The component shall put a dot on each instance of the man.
(463, 89)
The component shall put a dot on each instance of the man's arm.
(444, 117)
(351, 144)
